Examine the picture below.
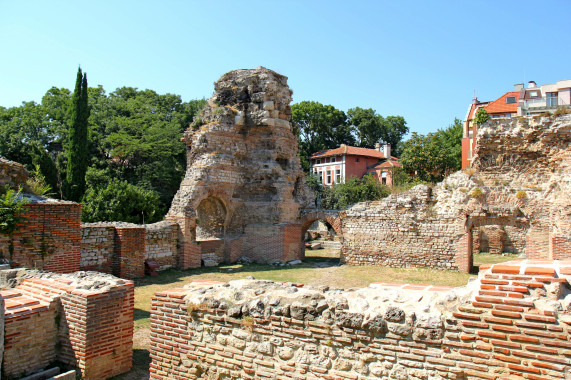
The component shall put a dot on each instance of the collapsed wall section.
(513, 322)
(82, 320)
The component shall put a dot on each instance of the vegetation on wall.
(12, 209)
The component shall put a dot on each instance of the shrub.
(12, 209)
(477, 192)
(521, 194)
(561, 111)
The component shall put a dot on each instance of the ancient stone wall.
(13, 174)
(530, 158)
(82, 320)
(161, 243)
(122, 248)
(513, 322)
(243, 172)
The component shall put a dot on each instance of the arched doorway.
(211, 217)
(322, 236)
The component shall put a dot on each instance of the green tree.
(435, 155)
(78, 140)
(372, 128)
(319, 127)
(354, 190)
(481, 116)
(119, 200)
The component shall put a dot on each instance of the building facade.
(333, 166)
(533, 100)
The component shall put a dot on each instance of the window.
(338, 176)
(534, 94)
(320, 177)
(510, 100)
(551, 98)
(356, 160)
(328, 179)
(318, 161)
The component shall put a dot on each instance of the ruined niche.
(241, 151)
(211, 216)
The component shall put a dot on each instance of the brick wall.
(509, 327)
(50, 239)
(129, 253)
(561, 247)
(58, 319)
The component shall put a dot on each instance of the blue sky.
(419, 59)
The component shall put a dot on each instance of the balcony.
(543, 104)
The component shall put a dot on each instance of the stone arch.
(331, 218)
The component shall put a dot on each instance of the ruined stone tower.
(244, 187)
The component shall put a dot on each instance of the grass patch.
(486, 258)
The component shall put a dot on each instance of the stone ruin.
(513, 322)
(244, 195)
(244, 187)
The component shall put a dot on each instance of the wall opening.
(210, 230)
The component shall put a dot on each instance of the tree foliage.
(134, 137)
(319, 127)
(433, 156)
(354, 190)
(78, 143)
(372, 128)
(117, 200)
(481, 116)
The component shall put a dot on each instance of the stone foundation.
(513, 322)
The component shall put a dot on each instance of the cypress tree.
(77, 154)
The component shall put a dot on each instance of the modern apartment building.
(522, 101)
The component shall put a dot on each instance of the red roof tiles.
(349, 150)
(499, 106)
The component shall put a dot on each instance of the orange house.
(335, 165)
(505, 106)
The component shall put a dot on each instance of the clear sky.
(419, 59)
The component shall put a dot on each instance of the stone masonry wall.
(82, 320)
(161, 243)
(400, 231)
(512, 323)
(13, 174)
(243, 172)
(122, 248)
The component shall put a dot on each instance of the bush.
(12, 209)
(121, 202)
(477, 192)
(521, 194)
(354, 190)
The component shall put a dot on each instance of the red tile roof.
(499, 105)
(388, 164)
(349, 150)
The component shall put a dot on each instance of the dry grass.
(321, 267)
